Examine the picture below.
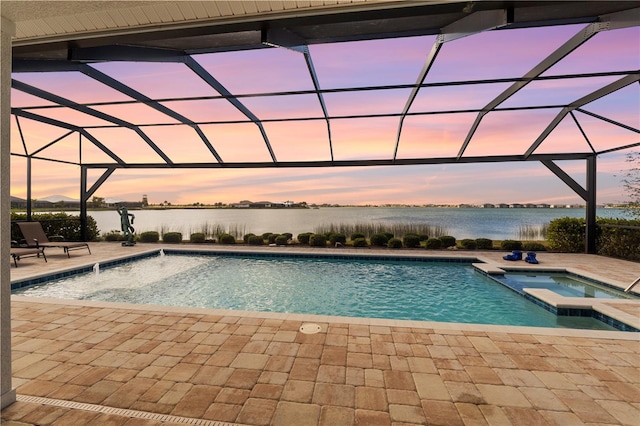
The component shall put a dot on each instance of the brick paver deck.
(78, 362)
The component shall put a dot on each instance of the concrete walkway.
(79, 362)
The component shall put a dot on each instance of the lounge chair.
(19, 252)
(515, 255)
(531, 257)
(35, 237)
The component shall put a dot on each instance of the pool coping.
(551, 302)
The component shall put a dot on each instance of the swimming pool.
(351, 287)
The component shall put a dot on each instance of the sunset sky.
(490, 55)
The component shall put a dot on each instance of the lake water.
(496, 224)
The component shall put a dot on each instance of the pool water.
(425, 291)
(563, 285)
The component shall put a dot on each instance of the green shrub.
(447, 241)
(567, 235)
(247, 236)
(266, 235)
(172, 237)
(619, 242)
(356, 235)
(272, 238)
(396, 243)
(113, 236)
(411, 241)
(304, 237)
(255, 240)
(281, 240)
(511, 245)
(389, 235)
(468, 244)
(360, 242)
(533, 246)
(150, 237)
(197, 237)
(433, 243)
(318, 240)
(423, 237)
(227, 239)
(379, 240)
(289, 235)
(484, 244)
(63, 224)
(337, 238)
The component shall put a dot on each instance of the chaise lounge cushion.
(35, 236)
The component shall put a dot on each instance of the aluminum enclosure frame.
(450, 24)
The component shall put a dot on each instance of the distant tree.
(97, 202)
(631, 183)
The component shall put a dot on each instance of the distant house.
(515, 206)
(487, 206)
(18, 203)
(502, 206)
(244, 204)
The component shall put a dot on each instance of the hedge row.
(63, 224)
(567, 235)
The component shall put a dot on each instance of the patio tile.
(289, 413)
(355, 376)
(402, 397)
(561, 418)
(98, 392)
(430, 386)
(175, 394)
(250, 361)
(523, 416)
(156, 391)
(331, 394)
(304, 369)
(267, 391)
(471, 414)
(464, 392)
(257, 411)
(298, 391)
(372, 418)
(505, 396)
(441, 413)
(232, 396)
(332, 416)
(181, 372)
(38, 387)
(128, 393)
(222, 412)
(243, 378)
(495, 415)
(370, 398)
(406, 414)
(511, 377)
(399, 380)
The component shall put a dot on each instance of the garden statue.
(126, 227)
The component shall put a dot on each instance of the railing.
(633, 284)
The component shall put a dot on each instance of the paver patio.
(81, 362)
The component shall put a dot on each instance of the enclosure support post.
(83, 204)
(29, 206)
(592, 227)
(7, 392)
